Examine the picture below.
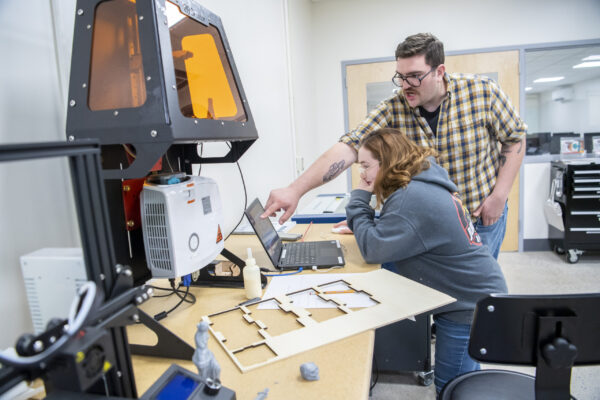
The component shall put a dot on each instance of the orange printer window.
(206, 86)
(116, 71)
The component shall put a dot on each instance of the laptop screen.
(264, 230)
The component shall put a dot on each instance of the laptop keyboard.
(301, 253)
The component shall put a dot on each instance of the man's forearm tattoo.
(334, 170)
(502, 160)
(508, 149)
(503, 153)
(520, 147)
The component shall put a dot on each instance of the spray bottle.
(252, 277)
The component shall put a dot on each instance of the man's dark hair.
(422, 43)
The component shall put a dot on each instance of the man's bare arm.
(334, 170)
(511, 157)
(328, 166)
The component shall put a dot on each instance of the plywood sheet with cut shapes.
(252, 342)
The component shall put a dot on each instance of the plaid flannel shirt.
(474, 118)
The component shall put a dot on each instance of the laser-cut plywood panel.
(253, 337)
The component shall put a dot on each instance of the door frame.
(522, 74)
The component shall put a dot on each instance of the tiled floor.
(526, 273)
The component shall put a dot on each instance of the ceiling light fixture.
(588, 64)
(528, 88)
(549, 79)
(591, 58)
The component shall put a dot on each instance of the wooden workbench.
(344, 366)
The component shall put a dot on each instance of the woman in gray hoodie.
(428, 235)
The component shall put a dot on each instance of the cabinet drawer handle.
(586, 180)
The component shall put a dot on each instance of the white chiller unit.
(181, 223)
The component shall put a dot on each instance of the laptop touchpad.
(328, 251)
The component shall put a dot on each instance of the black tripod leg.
(169, 345)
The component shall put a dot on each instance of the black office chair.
(551, 332)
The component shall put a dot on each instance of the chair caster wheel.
(425, 378)
(573, 256)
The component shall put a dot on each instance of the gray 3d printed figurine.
(203, 358)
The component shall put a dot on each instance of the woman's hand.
(369, 187)
(341, 227)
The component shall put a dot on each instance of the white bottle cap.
(250, 261)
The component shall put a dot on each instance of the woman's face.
(369, 166)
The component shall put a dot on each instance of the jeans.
(493, 235)
(451, 351)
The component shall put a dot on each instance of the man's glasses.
(412, 80)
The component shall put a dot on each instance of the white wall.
(345, 30)
(36, 205)
(577, 115)
(302, 81)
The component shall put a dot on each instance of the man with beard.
(467, 119)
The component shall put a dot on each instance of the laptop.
(322, 254)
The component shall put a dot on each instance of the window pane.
(561, 91)
(116, 73)
(206, 86)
